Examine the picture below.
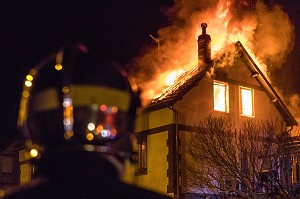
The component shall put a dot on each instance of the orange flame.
(248, 21)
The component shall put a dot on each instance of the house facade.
(238, 90)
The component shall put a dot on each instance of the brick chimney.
(204, 49)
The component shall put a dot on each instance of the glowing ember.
(171, 77)
(178, 81)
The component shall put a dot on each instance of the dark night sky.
(32, 29)
(113, 29)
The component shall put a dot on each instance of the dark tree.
(246, 159)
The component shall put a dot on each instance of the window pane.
(7, 165)
(142, 155)
(220, 97)
(247, 101)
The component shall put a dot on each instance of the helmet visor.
(91, 114)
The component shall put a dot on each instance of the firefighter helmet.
(72, 101)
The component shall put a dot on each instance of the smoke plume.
(274, 35)
(264, 30)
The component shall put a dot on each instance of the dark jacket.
(83, 176)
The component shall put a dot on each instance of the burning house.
(240, 91)
(230, 84)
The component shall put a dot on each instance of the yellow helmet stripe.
(86, 95)
(82, 95)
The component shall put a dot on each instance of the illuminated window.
(221, 99)
(142, 159)
(247, 108)
(142, 155)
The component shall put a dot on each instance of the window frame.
(7, 164)
(225, 97)
(142, 162)
(242, 110)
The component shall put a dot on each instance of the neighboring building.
(239, 90)
(26, 168)
(15, 167)
(9, 168)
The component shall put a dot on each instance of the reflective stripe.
(87, 95)
(83, 95)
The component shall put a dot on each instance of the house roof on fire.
(184, 84)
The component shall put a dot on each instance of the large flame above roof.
(264, 30)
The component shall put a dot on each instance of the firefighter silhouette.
(77, 117)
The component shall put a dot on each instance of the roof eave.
(263, 81)
(182, 91)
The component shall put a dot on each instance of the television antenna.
(157, 41)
